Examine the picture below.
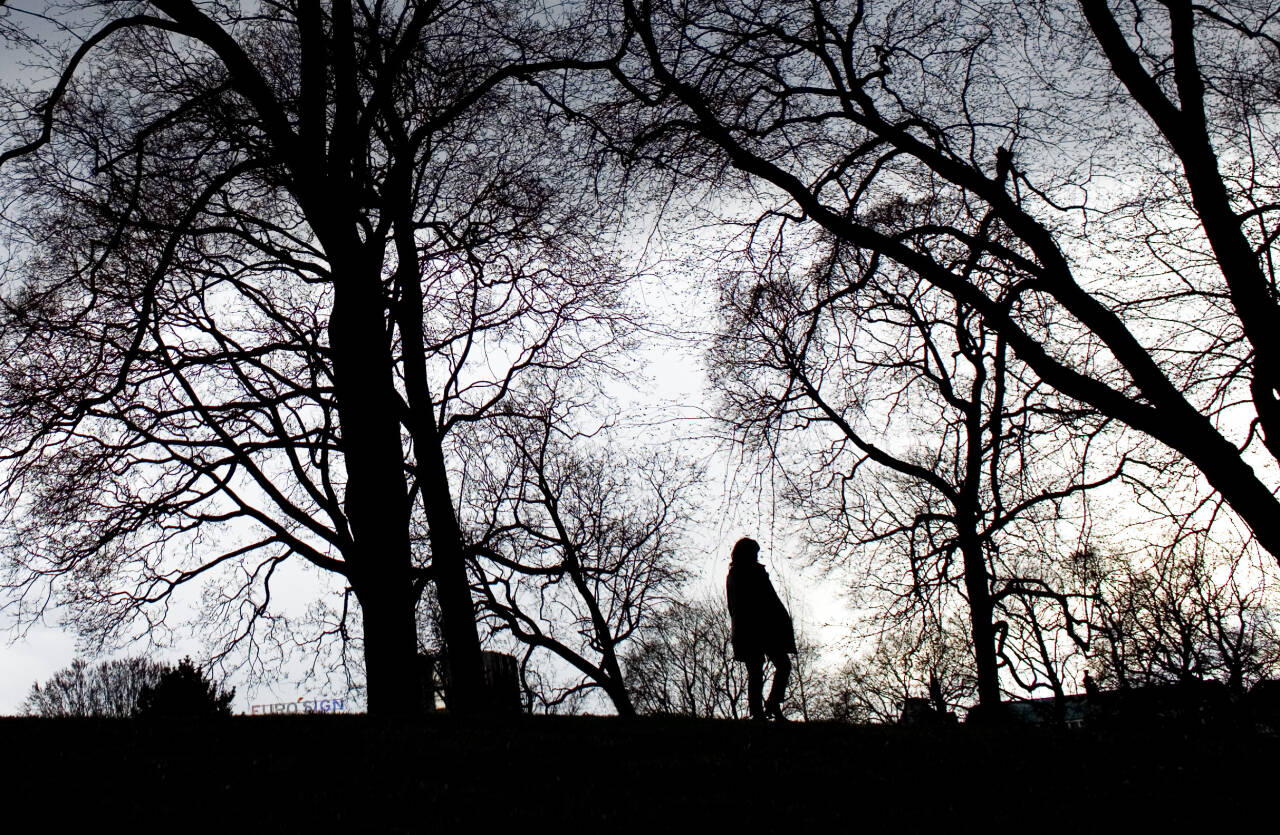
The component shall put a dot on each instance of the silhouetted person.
(1090, 686)
(761, 627)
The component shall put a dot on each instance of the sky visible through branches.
(669, 405)
(947, 308)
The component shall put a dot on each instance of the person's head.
(745, 550)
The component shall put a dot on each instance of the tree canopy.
(108, 689)
(262, 262)
(280, 278)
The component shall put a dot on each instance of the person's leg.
(755, 686)
(778, 692)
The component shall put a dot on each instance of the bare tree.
(929, 661)
(1187, 613)
(906, 434)
(1025, 127)
(1047, 636)
(110, 688)
(577, 542)
(261, 264)
(682, 664)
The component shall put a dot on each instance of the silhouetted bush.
(184, 691)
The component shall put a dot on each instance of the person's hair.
(745, 549)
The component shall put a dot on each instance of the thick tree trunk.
(376, 493)
(621, 699)
(391, 649)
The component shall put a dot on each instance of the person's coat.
(761, 624)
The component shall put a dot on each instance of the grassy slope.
(332, 773)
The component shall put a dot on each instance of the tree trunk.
(376, 495)
(977, 584)
(977, 578)
(453, 588)
(621, 698)
(448, 562)
(391, 649)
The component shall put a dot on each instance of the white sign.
(300, 706)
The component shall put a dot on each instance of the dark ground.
(358, 774)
